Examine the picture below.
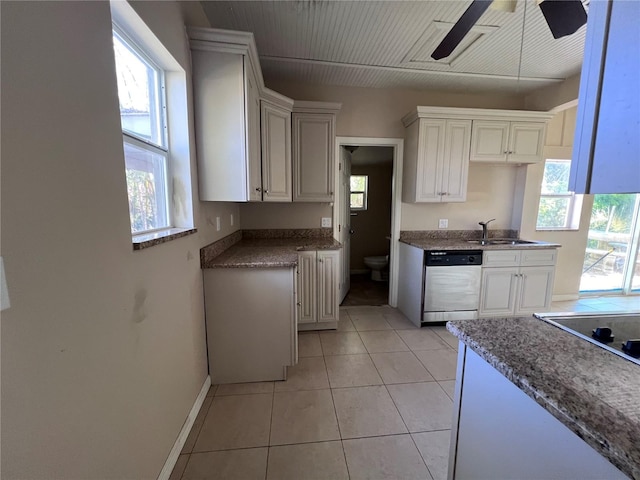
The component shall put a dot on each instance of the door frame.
(396, 199)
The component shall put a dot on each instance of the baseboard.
(564, 298)
(165, 473)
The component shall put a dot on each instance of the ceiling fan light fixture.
(564, 17)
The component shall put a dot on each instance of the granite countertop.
(462, 244)
(265, 252)
(590, 390)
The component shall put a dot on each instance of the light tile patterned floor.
(370, 400)
(363, 402)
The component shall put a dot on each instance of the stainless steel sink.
(501, 241)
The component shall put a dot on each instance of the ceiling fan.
(564, 17)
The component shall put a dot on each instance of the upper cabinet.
(276, 147)
(314, 138)
(500, 141)
(607, 136)
(440, 142)
(436, 163)
(240, 157)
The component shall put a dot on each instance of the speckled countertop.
(592, 391)
(465, 240)
(264, 252)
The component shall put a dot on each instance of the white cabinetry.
(276, 148)
(516, 282)
(318, 289)
(242, 346)
(314, 137)
(240, 157)
(436, 160)
(607, 144)
(501, 141)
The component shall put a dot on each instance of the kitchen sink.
(501, 241)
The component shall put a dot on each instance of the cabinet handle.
(266, 191)
(298, 303)
(330, 193)
(320, 260)
(258, 189)
(505, 152)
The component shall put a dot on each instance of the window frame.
(572, 218)
(137, 141)
(365, 193)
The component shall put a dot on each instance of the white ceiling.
(385, 44)
(366, 155)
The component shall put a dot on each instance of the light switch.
(443, 223)
(231, 220)
(4, 291)
(217, 224)
(326, 222)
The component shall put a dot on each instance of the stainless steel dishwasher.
(451, 285)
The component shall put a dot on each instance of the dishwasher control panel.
(445, 258)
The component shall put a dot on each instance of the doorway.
(367, 218)
(612, 263)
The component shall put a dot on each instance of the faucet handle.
(484, 224)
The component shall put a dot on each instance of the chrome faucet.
(485, 233)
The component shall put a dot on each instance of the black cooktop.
(617, 332)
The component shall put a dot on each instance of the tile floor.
(370, 400)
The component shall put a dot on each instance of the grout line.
(273, 401)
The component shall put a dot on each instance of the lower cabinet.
(251, 328)
(318, 289)
(516, 282)
(502, 433)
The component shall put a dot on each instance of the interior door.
(345, 222)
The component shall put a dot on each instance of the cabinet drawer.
(538, 257)
(501, 258)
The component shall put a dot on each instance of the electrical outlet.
(326, 222)
(217, 224)
(231, 220)
(443, 223)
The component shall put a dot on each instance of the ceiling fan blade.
(461, 28)
(564, 17)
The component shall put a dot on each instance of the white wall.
(558, 144)
(103, 348)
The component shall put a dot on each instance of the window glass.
(558, 206)
(146, 180)
(139, 93)
(359, 187)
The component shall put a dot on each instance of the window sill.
(147, 240)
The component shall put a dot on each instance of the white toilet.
(378, 266)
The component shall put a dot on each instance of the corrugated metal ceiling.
(387, 44)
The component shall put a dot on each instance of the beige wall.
(371, 227)
(555, 96)
(377, 112)
(284, 215)
(103, 348)
(490, 194)
(558, 144)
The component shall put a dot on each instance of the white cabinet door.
(536, 287)
(489, 141)
(254, 174)
(328, 268)
(526, 141)
(455, 165)
(498, 292)
(276, 153)
(313, 156)
(431, 138)
(307, 287)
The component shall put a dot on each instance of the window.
(359, 185)
(141, 96)
(559, 208)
